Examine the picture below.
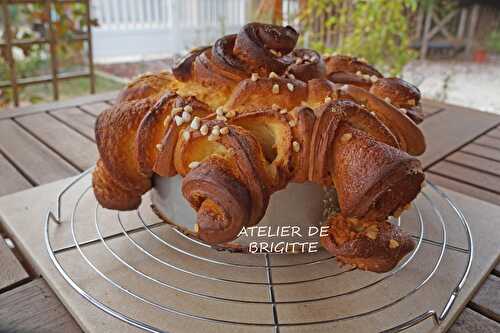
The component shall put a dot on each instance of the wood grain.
(78, 120)
(486, 152)
(37, 161)
(95, 108)
(11, 271)
(488, 141)
(36, 108)
(467, 175)
(79, 150)
(464, 188)
(452, 128)
(33, 307)
(471, 321)
(475, 162)
(11, 180)
(487, 299)
(431, 107)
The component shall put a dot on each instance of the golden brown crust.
(401, 94)
(372, 178)
(109, 193)
(241, 119)
(410, 137)
(115, 134)
(375, 246)
(264, 92)
(223, 204)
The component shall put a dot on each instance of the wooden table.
(45, 143)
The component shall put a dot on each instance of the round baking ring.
(54, 216)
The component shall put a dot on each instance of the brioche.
(241, 119)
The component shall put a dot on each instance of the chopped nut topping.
(254, 77)
(178, 120)
(292, 123)
(195, 124)
(275, 107)
(176, 111)
(306, 57)
(314, 59)
(215, 130)
(358, 73)
(283, 111)
(193, 165)
(387, 100)
(373, 78)
(159, 147)
(212, 137)
(393, 244)
(328, 99)
(290, 86)
(346, 137)
(273, 75)
(219, 111)
(276, 89)
(296, 146)
(230, 114)
(188, 108)
(167, 120)
(204, 129)
(186, 116)
(275, 53)
(221, 118)
(291, 76)
(186, 135)
(224, 130)
(371, 234)
(366, 77)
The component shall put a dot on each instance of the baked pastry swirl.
(241, 119)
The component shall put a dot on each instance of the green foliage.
(493, 41)
(377, 30)
(31, 22)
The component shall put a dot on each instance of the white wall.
(144, 29)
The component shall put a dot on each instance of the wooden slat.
(494, 133)
(78, 120)
(483, 151)
(79, 150)
(11, 271)
(488, 141)
(471, 321)
(24, 111)
(476, 162)
(464, 188)
(487, 299)
(33, 307)
(11, 180)
(452, 128)
(467, 175)
(431, 107)
(95, 108)
(37, 161)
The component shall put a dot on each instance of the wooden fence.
(48, 38)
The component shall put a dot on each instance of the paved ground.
(457, 82)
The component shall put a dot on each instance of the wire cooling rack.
(423, 220)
